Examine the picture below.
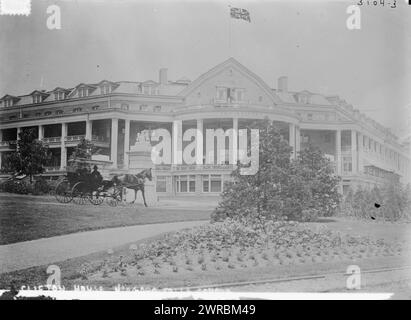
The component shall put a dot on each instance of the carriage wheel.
(79, 194)
(63, 192)
(96, 198)
(114, 198)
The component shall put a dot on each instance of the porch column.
(177, 140)
(235, 141)
(126, 143)
(113, 142)
(41, 132)
(338, 151)
(291, 138)
(360, 152)
(89, 129)
(297, 141)
(354, 153)
(63, 155)
(199, 142)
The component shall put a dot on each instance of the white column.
(126, 143)
(235, 141)
(291, 138)
(113, 142)
(354, 154)
(297, 140)
(89, 129)
(1, 134)
(1, 156)
(63, 156)
(18, 132)
(41, 132)
(338, 151)
(199, 142)
(177, 141)
(360, 153)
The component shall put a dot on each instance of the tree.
(282, 188)
(317, 181)
(30, 156)
(262, 194)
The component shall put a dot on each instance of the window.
(347, 164)
(83, 92)
(221, 94)
(77, 110)
(215, 183)
(238, 95)
(124, 106)
(143, 107)
(105, 89)
(206, 183)
(59, 95)
(161, 185)
(146, 90)
(12, 117)
(47, 113)
(8, 102)
(59, 112)
(37, 98)
(95, 108)
(310, 116)
(157, 109)
(38, 114)
(26, 115)
(185, 183)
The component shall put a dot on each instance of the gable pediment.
(233, 77)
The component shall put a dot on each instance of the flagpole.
(229, 31)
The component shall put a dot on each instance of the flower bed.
(234, 244)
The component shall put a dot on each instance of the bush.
(391, 202)
(281, 189)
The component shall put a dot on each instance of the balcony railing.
(7, 143)
(52, 169)
(74, 138)
(51, 140)
(95, 138)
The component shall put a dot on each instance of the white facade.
(228, 96)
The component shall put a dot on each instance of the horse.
(134, 182)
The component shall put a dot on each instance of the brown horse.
(134, 181)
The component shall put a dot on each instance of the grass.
(25, 218)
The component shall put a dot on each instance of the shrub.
(391, 202)
(281, 189)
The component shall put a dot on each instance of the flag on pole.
(238, 13)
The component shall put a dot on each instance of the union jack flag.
(238, 13)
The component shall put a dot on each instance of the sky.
(308, 41)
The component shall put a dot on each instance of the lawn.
(25, 218)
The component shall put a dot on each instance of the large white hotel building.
(227, 96)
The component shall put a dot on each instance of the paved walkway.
(33, 253)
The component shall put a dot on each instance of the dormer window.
(105, 89)
(83, 92)
(146, 89)
(8, 102)
(59, 95)
(37, 98)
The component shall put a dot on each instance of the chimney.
(283, 84)
(163, 76)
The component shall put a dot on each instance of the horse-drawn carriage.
(81, 185)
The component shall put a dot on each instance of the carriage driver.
(96, 177)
